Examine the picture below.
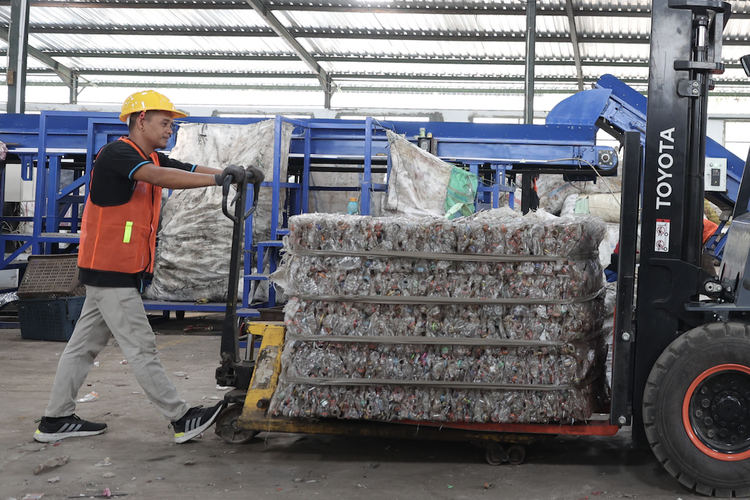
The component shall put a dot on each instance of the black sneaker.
(194, 422)
(55, 429)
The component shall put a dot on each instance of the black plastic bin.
(49, 319)
(51, 276)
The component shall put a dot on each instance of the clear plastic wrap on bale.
(438, 404)
(566, 364)
(497, 232)
(545, 322)
(493, 318)
(356, 276)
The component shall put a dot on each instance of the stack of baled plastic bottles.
(494, 318)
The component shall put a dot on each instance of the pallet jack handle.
(253, 176)
(230, 327)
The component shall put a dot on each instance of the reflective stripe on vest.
(128, 231)
(122, 238)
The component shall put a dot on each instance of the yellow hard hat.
(148, 100)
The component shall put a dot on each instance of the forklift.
(681, 348)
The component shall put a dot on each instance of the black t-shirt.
(112, 184)
(112, 181)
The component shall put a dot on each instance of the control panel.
(716, 174)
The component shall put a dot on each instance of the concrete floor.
(145, 464)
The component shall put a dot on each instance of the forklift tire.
(696, 409)
(227, 427)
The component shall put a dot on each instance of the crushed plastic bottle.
(88, 398)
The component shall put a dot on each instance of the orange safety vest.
(122, 238)
(709, 228)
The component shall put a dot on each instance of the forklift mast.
(686, 38)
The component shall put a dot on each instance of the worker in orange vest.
(117, 248)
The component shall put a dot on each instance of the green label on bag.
(128, 231)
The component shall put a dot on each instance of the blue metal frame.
(58, 134)
(626, 111)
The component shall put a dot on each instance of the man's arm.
(174, 178)
(206, 170)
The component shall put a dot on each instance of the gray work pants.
(118, 312)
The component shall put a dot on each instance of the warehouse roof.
(446, 46)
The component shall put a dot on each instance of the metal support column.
(18, 45)
(306, 172)
(528, 91)
(574, 41)
(366, 186)
(328, 92)
(74, 88)
(527, 199)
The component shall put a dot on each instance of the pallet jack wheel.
(696, 409)
(228, 429)
(496, 455)
(516, 454)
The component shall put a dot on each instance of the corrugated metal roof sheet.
(217, 65)
(148, 45)
(52, 16)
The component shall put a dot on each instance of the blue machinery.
(64, 144)
(625, 111)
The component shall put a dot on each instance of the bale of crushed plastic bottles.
(494, 318)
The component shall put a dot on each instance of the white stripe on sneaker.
(194, 426)
(77, 428)
(64, 428)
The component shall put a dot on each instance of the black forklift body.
(681, 370)
(685, 48)
(736, 262)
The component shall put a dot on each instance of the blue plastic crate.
(49, 319)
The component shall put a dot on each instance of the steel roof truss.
(383, 58)
(298, 49)
(66, 74)
(347, 33)
(574, 41)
